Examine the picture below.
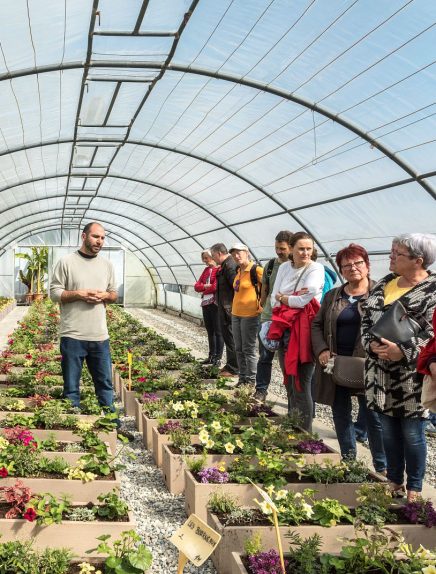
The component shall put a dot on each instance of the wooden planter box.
(159, 440)
(233, 538)
(78, 536)
(197, 494)
(70, 436)
(236, 564)
(173, 466)
(78, 491)
(139, 412)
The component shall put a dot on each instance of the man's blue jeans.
(98, 359)
(406, 449)
(264, 366)
(345, 431)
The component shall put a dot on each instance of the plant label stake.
(195, 541)
(129, 362)
(274, 511)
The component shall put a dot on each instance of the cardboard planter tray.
(70, 436)
(234, 537)
(79, 536)
(197, 494)
(173, 466)
(76, 489)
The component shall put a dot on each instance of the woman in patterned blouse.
(393, 386)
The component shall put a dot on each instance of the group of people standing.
(290, 307)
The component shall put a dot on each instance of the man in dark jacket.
(224, 298)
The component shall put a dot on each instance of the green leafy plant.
(112, 507)
(329, 512)
(222, 503)
(253, 545)
(375, 500)
(81, 514)
(48, 508)
(126, 555)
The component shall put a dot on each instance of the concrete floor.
(9, 323)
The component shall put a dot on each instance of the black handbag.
(349, 372)
(395, 325)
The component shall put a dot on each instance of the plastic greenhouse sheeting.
(181, 123)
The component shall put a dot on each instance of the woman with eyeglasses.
(246, 311)
(393, 386)
(336, 331)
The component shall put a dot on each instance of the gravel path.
(188, 334)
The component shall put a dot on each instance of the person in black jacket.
(224, 298)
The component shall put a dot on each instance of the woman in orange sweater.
(246, 310)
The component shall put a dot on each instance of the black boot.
(208, 361)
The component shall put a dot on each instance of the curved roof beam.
(236, 80)
(142, 182)
(108, 221)
(124, 201)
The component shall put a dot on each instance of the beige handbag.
(428, 394)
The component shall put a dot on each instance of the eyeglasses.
(397, 254)
(349, 266)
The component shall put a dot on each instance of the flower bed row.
(213, 441)
(58, 469)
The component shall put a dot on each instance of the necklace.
(355, 299)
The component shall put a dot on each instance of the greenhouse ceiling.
(180, 123)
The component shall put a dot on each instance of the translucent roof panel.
(183, 123)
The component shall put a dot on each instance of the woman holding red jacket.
(206, 285)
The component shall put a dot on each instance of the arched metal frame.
(167, 65)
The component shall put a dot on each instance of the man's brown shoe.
(224, 373)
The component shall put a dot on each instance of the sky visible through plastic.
(178, 124)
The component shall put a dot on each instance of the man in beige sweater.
(83, 283)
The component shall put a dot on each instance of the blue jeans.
(302, 400)
(345, 429)
(264, 366)
(360, 427)
(406, 449)
(98, 360)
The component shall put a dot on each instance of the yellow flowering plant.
(218, 436)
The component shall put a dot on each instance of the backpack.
(254, 279)
(268, 271)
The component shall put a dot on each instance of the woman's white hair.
(419, 245)
(206, 252)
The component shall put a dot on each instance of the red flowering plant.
(6, 367)
(18, 496)
(20, 435)
(37, 401)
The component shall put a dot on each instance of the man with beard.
(83, 283)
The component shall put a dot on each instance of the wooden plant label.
(195, 540)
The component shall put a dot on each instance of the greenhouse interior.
(218, 286)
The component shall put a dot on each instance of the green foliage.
(329, 512)
(55, 465)
(181, 439)
(195, 464)
(21, 558)
(126, 555)
(253, 545)
(304, 553)
(112, 507)
(222, 503)
(48, 508)
(374, 500)
(81, 514)
(350, 471)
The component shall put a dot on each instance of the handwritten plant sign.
(195, 541)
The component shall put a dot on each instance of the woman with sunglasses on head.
(295, 298)
(336, 331)
(392, 384)
(246, 311)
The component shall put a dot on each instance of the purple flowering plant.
(149, 397)
(168, 427)
(265, 563)
(257, 409)
(312, 446)
(420, 511)
(213, 475)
